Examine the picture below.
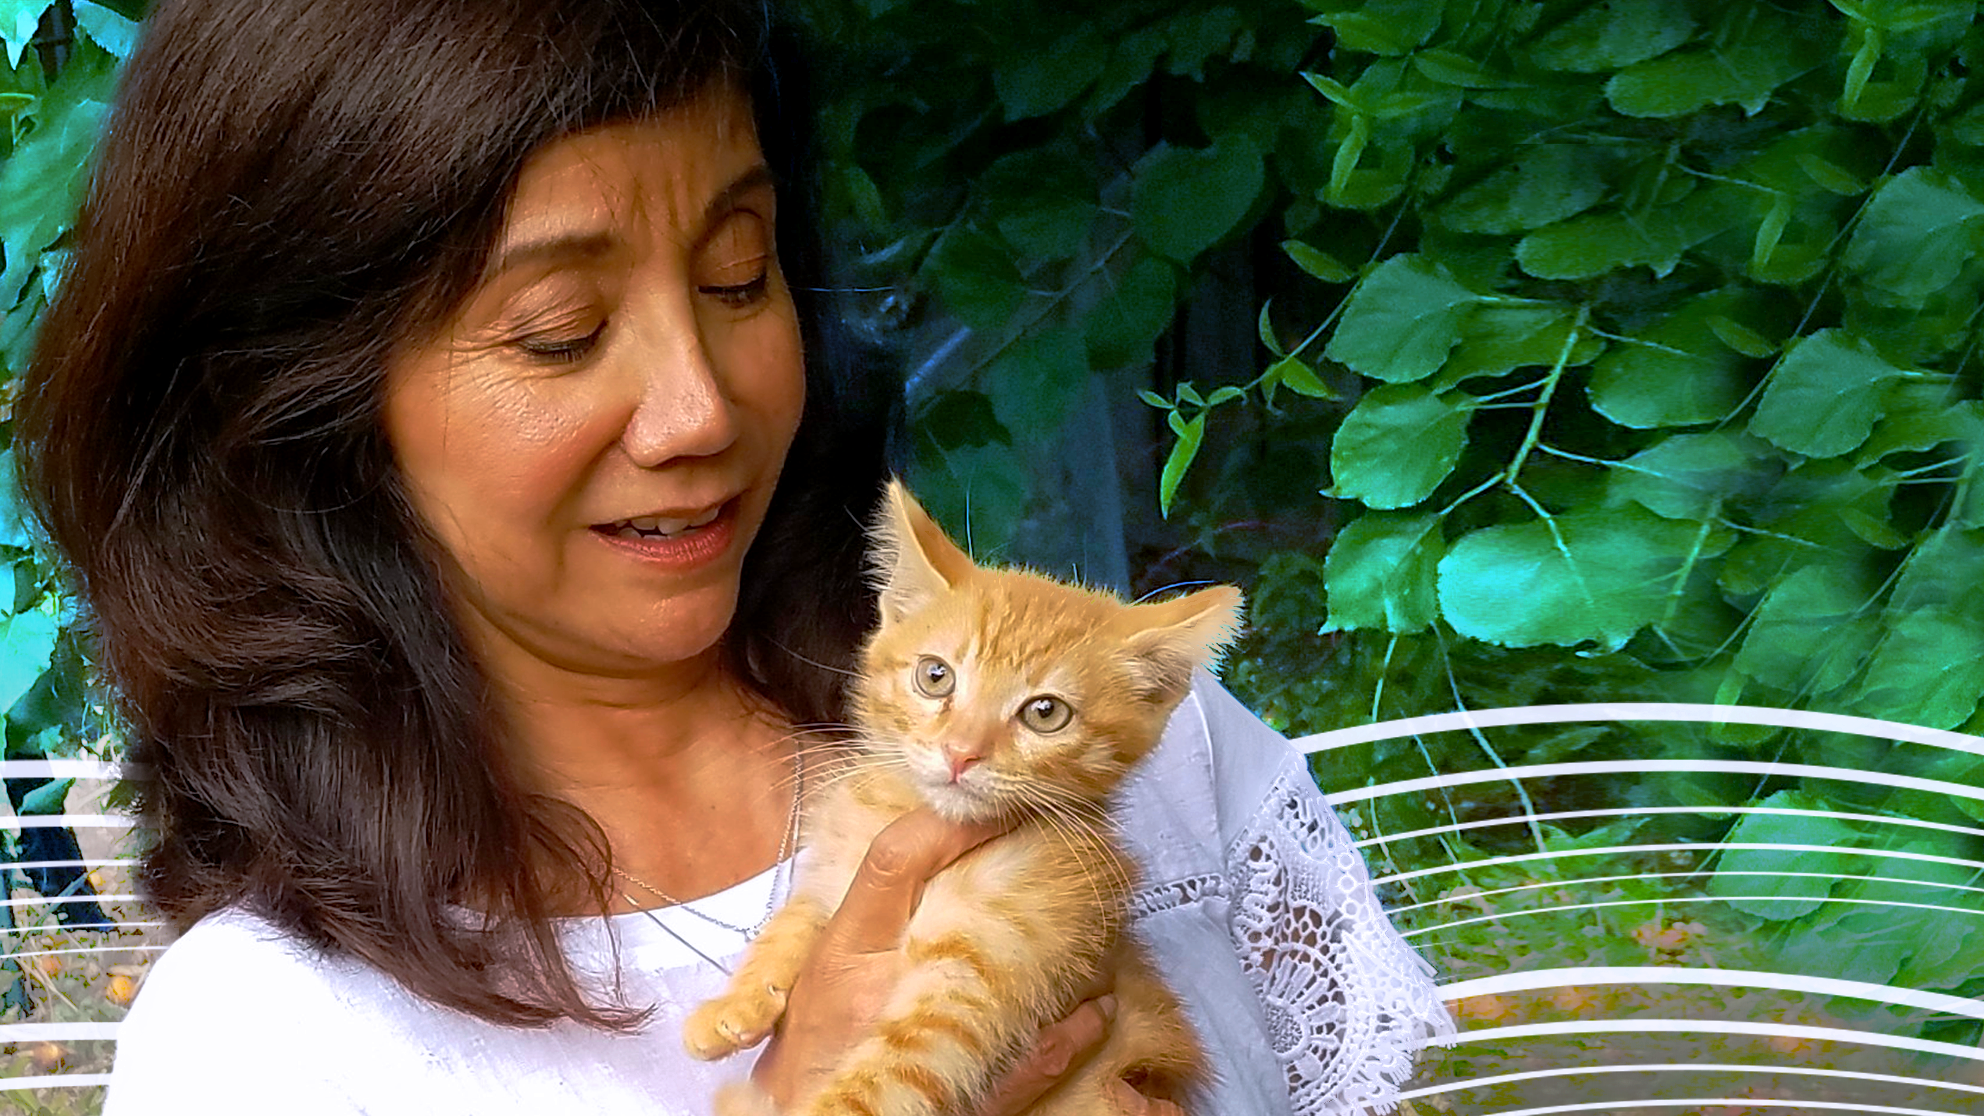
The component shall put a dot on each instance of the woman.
(469, 546)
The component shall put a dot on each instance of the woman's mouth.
(679, 543)
(659, 527)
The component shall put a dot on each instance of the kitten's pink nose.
(962, 757)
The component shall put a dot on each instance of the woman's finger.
(1128, 1102)
(1060, 1045)
(887, 886)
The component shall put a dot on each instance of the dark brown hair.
(285, 193)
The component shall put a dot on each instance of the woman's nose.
(682, 409)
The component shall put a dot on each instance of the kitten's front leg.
(744, 1015)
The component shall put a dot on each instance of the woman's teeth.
(661, 527)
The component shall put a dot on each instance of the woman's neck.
(690, 777)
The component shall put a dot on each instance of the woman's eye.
(739, 294)
(933, 677)
(555, 349)
(1045, 713)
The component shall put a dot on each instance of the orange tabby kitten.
(989, 693)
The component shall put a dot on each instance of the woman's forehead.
(672, 173)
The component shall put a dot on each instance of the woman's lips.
(674, 543)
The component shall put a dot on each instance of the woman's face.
(595, 437)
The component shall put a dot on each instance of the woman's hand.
(858, 960)
(1062, 1045)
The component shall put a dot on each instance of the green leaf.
(1190, 434)
(1154, 399)
(1049, 229)
(1396, 446)
(46, 800)
(1037, 383)
(1599, 576)
(1612, 35)
(1740, 337)
(41, 183)
(1691, 476)
(1386, 27)
(18, 20)
(1830, 175)
(1927, 670)
(1808, 635)
(1774, 49)
(1402, 320)
(1184, 201)
(1037, 82)
(1795, 895)
(1298, 377)
(974, 272)
(1678, 373)
(1498, 339)
(1941, 574)
(1316, 262)
(106, 28)
(1917, 232)
(1595, 243)
(13, 520)
(1123, 326)
(1824, 396)
(1381, 572)
(1265, 328)
(1547, 184)
(976, 492)
(27, 639)
(955, 419)
(1451, 68)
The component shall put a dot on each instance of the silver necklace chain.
(780, 866)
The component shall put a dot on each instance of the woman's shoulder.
(235, 951)
(284, 1017)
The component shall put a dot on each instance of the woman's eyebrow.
(591, 245)
(757, 178)
(575, 245)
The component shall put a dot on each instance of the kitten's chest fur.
(1047, 882)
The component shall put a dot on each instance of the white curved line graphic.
(1469, 719)
(59, 769)
(42, 901)
(1705, 1067)
(1739, 846)
(135, 947)
(1678, 899)
(1581, 1028)
(68, 821)
(1574, 881)
(1740, 978)
(1643, 767)
(1636, 811)
(57, 1032)
(1751, 1102)
(55, 1081)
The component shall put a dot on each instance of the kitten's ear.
(911, 558)
(1178, 636)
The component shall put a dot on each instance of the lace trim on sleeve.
(1349, 1004)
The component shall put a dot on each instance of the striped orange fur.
(990, 693)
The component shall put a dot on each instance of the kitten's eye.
(933, 677)
(1044, 714)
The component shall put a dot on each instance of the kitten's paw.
(744, 1098)
(737, 1020)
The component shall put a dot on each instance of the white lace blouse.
(1254, 903)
